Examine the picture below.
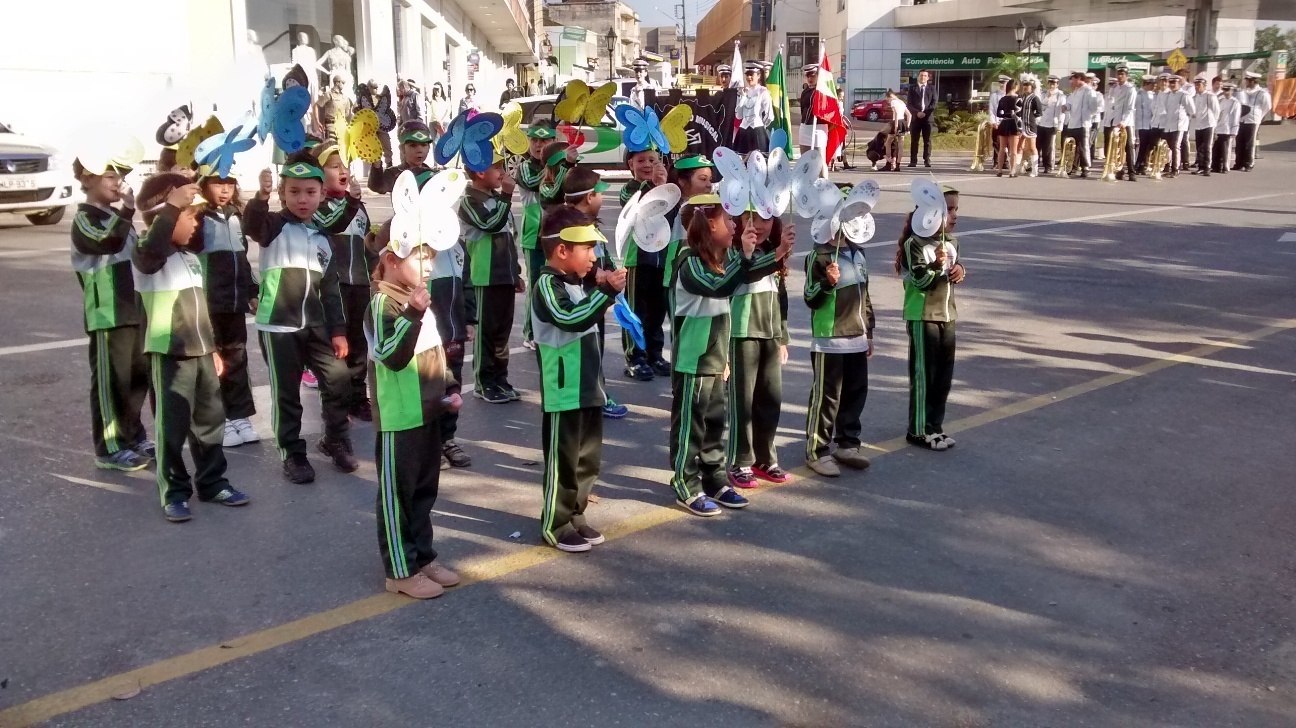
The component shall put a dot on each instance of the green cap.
(415, 131)
(539, 131)
(693, 161)
(302, 170)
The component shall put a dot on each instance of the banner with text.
(914, 62)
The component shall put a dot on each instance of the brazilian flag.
(776, 82)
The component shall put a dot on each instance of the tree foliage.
(1272, 38)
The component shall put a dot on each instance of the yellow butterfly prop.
(673, 125)
(186, 147)
(359, 139)
(511, 136)
(583, 104)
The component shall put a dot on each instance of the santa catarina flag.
(776, 83)
(827, 107)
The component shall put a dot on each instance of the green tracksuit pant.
(697, 434)
(931, 374)
(189, 409)
(409, 472)
(230, 330)
(119, 383)
(573, 451)
(755, 402)
(495, 305)
(837, 396)
(535, 260)
(286, 354)
(355, 304)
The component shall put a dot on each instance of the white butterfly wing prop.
(862, 198)
(824, 229)
(758, 173)
(927, 221)
(807, 170)
(736, 183)
(406, 225)
(625, 222)
(651, 231)
(778, 181)
(826, 197)
(926, 193)
(859, 229)
(438, 223)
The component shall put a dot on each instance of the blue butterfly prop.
(217, 152)
(265, 124)
(642, 129)
(470, 138)
(629, 322)
(282, 117)
(778, 139)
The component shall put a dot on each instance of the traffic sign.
(1177, 60)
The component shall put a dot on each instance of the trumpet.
(1115, 154)
(1160, 153)
(1067, 160)
(984, 142)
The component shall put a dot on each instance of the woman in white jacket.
(1230, 118)
(755, 112)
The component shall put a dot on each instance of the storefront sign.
(1103, 60)
(963, 61)
(576, 34)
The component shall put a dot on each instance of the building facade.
(760, 27)
(599, 17)
(667, 42)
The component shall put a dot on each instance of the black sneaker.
(492, 394)
(572, 542)
(509, 391)
(661, 367)
(362, 410)
(455, 455)
(340, 452)
(639, 371)
(591, 536)
(297, 469)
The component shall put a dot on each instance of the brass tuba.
(1115, 154)
(1067, 159)
(984, 143)
(1160, 155)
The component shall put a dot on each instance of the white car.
(602, 148)
(34, 180)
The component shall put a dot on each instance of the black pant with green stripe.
(230, 330)
(409, 472)
(495, 306)
(837, 396)
(931, 374)
(454, 360)
(697, 434)
(573, 451)
(119, 383)
(535, 260)
(286, 354)
(755, 401)
(355, 303)
(189, 409)
(646, 293)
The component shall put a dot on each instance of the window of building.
(802, 49)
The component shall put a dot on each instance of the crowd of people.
(383, 321)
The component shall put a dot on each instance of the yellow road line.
(92, 693)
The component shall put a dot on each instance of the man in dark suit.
(921, 102)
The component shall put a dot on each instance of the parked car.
(34, 181)
(875, 110)
(602, 147)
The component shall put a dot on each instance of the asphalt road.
(1110, 543)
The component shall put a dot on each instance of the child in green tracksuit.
(530, 174)
(930, 267)
(227, 281)
(841, 324)
(415, 143)
(181, 346)
(566, 310)
(343, 216)
(412, 388)
(300, 317)
(692, 174)
(102, 240)
(757, 353)
(496, 278)
(707, 274)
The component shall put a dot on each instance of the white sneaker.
(232, 438)
(246, 432)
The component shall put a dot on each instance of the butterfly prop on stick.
(582, 104)
(359, 138)
(114, 150)
(644, 129)
(808, 171)
(644, 216)
(511, 137)
(846, 212)
(762, 185)
(215, 154)
(383, 109)
(426, 216)
(469, 138)
(281, 116)
(187, 148)
(929, 218)
(178, 123)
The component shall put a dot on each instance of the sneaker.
(297, 469)
(936, 441)
(362, 410)
(445, 462)
(491, 394)
(177, 512)
(340, 451)
(699, 505)
(730, 498)
(639, 371)
(851, 457)
(529, 344)
(591, 536)
(614, 411)
(246, 431)
(308, 379)
(230, 497)
(661, 367)
(509, 391)
(825, 466)
(127, 461)
(770, 473)
(232, 438)
(440, 574)
(573, 543)
(455, 455)
(741, 478)
(145, 449)
(417, 586)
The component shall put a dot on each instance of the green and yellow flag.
(776, 82)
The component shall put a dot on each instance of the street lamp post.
(611, 39)
(1034, 42)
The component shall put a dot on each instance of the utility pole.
(681, 12)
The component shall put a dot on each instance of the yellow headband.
(579, 235)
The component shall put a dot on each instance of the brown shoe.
(851, 457)
(417, 586)
(440, 574)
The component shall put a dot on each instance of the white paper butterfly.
(644, 214)
(763, 184)
(426, 217)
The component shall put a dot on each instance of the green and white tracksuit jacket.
(382, 180)
(170, 283)
(844, 310)
(346, 221)
(530, 173)
(102, 242)
(928, 294)
(227, 275)
(299, 281)
(406, 361)
(758, 310)
(488, 240)
(701, 308)
(565, 317)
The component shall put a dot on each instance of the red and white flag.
(827, 107)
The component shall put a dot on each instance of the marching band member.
(1107, 115)
(1053, 118)
(642, 83)
(1185, 124)
(1080, 106)
(1120, 103)
(1144, 103)
(1255, 107)
(1096, 152)
(724, 72)
(1178, 109)
(1230, 116)
(755, 112)
(996, 93)
(1203, 124)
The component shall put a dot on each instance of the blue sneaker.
(614, 411)
(729, 498)
(230, 497)
(146, 449)
(700, 505)
(177, 512)
(127, 461)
